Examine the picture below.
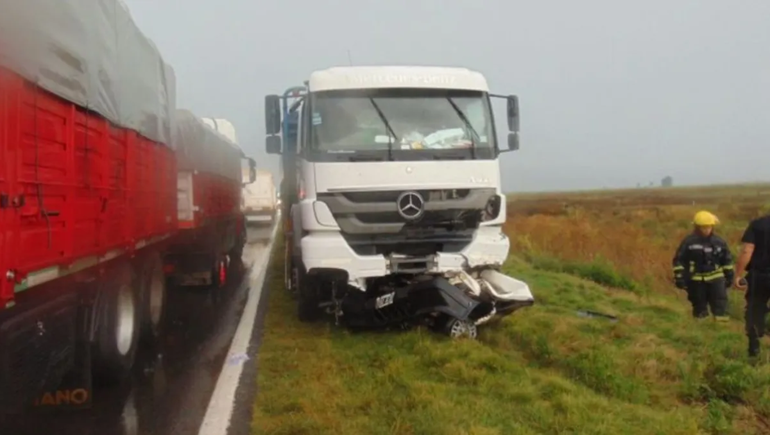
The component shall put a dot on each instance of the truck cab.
(392, 181)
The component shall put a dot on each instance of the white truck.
(223, 127)
(259, 199)
(393, 197)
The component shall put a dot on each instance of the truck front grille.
(372, 213)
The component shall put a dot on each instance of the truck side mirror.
(272, 114)
(513, 113)
(273, 145)
(252, 172)
(513, 142)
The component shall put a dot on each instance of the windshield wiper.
(449, 155)
(365, 157)
(468, 124)
(391, 133)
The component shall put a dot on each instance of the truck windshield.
(398, 120)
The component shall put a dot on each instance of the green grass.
(543, 369)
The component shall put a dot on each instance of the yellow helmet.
(704, 218)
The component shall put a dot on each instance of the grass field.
(545, 369)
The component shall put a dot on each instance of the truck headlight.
(492, 209)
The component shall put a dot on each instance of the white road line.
(220, 409)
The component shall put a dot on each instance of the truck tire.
(308, 300)
(154, 296)
(289, 272)
(118, 328)
(236, 253)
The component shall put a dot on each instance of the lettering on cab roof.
(402, 79)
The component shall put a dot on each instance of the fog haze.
(612, 93)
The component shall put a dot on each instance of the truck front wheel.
(308, 300)
(118, 321)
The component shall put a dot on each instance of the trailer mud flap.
(39, 348)
(75, 389)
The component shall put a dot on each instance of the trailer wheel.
(118, 331)
(308, 302)
(457, 328)
(236, 253)
(154, 298)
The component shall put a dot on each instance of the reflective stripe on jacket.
(700, 258)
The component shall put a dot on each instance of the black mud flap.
(407, 304)
(44, 358)
(75, 391)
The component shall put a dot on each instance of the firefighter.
(755, 258)
(703, 267)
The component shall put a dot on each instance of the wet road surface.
(170, 389)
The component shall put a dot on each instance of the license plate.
(384, 300)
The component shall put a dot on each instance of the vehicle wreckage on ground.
(392, 205)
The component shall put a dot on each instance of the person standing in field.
(755, 259)
(703, 266)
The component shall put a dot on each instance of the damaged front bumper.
(329, 250)
(462, 297)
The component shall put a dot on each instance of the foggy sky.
(612, 93)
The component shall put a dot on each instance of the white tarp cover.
(200, 148)
(91, 53)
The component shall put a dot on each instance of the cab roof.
(374, 77)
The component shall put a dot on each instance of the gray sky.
(612, 92)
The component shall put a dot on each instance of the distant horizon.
(278, 174)
(645, 187)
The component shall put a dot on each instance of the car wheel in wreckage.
(456, 328)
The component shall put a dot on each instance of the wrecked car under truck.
(393, 209)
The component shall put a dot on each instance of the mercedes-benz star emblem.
(411, 205)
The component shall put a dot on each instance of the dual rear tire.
(130, 310)
(118, 319)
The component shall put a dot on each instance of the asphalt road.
(170, 390)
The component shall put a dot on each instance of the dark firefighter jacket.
(700, 258)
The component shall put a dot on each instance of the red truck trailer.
(208, 201)
(107, 193)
